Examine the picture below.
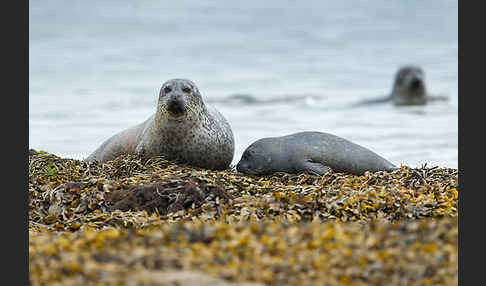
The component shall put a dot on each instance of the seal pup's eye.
(249, 153)
(186, 89)
(246, 155)
(167, 89)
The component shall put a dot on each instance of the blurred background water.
(95, 68)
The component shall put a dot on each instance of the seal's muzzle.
(416, 83)
(176, 106)
(241, 167)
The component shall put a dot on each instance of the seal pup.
(183, 128)
(310, 152)
(408, 89)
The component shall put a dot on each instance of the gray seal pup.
(408, 89)
(310, 152)
(183, 129)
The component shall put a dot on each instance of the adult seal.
(183, 129)
(310, 152)
(408, 88)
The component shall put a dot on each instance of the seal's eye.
(186, 89)
(167, 89)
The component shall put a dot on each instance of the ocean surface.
(270, 67)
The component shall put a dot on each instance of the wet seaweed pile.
(148, 214)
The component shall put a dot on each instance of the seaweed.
(146, 215)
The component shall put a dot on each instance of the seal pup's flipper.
(313, 167)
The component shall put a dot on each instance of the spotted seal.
(408, 88)
(183, 128)
(310, 152)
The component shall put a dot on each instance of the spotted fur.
(183, 128)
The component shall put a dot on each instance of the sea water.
(270, 67)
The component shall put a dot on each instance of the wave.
(249, 99)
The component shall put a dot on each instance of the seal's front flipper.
(138, 149)
(316, 168)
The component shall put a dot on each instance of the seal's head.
(257, 159)
(409, 86)
(179, 99)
